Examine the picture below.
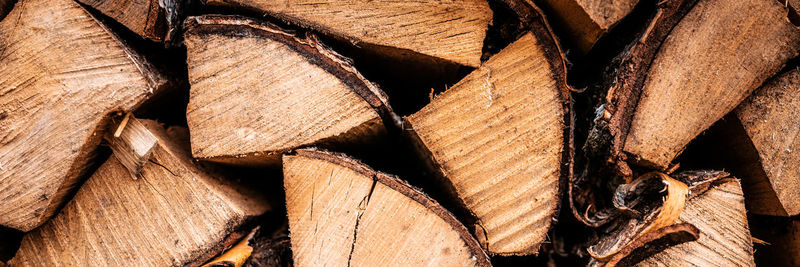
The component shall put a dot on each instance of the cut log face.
(449, 30)
(724, 240)
(61, 74)
(144, 17)
(258, 91)
(175, 214)
(342, 212)
(714, 58)
(771, 119)
(585, 21)
(499, 138)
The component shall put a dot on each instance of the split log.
(61, 74)
(713, 214)
(258, 91)
(674, 82)
(156, 20)
(585, 21)
(452, 31)
(175, 214)
(341, 212)
(501, 139)
(770, 119)
(720, 215)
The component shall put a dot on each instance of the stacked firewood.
(399, 133)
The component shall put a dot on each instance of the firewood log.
(501, 138)
(452, 31)
(258, 91)
(341, 212)
(585, 21)
(175, 214)
(156, 20)
(61, 74)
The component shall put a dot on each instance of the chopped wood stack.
(95, 169)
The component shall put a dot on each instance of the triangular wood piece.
(712, 59)
(585, 21)
(720, 215)
(150, 19)
(341, 212)
(771, 120)
(61, 74)
(174, 214)
(258, 91)
(450, 30)
(501, 137)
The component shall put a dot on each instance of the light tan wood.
(498, 136)
(771, 119)
(585, 21)
(61, 74)
(264, 91)
(715, 56)
(449, 30)
(175, 214)
(341, 212)
(132, 144)
(144, 17)
(724, 240)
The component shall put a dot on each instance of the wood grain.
(585, 21)
(445, 29)
(344, 213)
(175, 214)
(61, 74)
(498, 137)
(144, 17)
(724, 234)
(258, 91)
(771, 119)
(715, 57)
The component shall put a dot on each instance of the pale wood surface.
(265, 91)
(446, 29)
(606, 13)
(144, 17)
(771, 119)
(132, 144)
(713, 59)
(175, 214)
(344, 213)
(724, 234)
(498, 137)
(61, 73)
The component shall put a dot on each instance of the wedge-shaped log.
(720, 215)
(585, 21)
(712, 59)
(501, 138)
(450, 30)
(151, 19)
(771, 120)
(341, 212)
(61, 74)
(174, 214)
(258, 91)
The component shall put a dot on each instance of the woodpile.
(399, 133)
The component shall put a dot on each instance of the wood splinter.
(131, 143)
(258, 91)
